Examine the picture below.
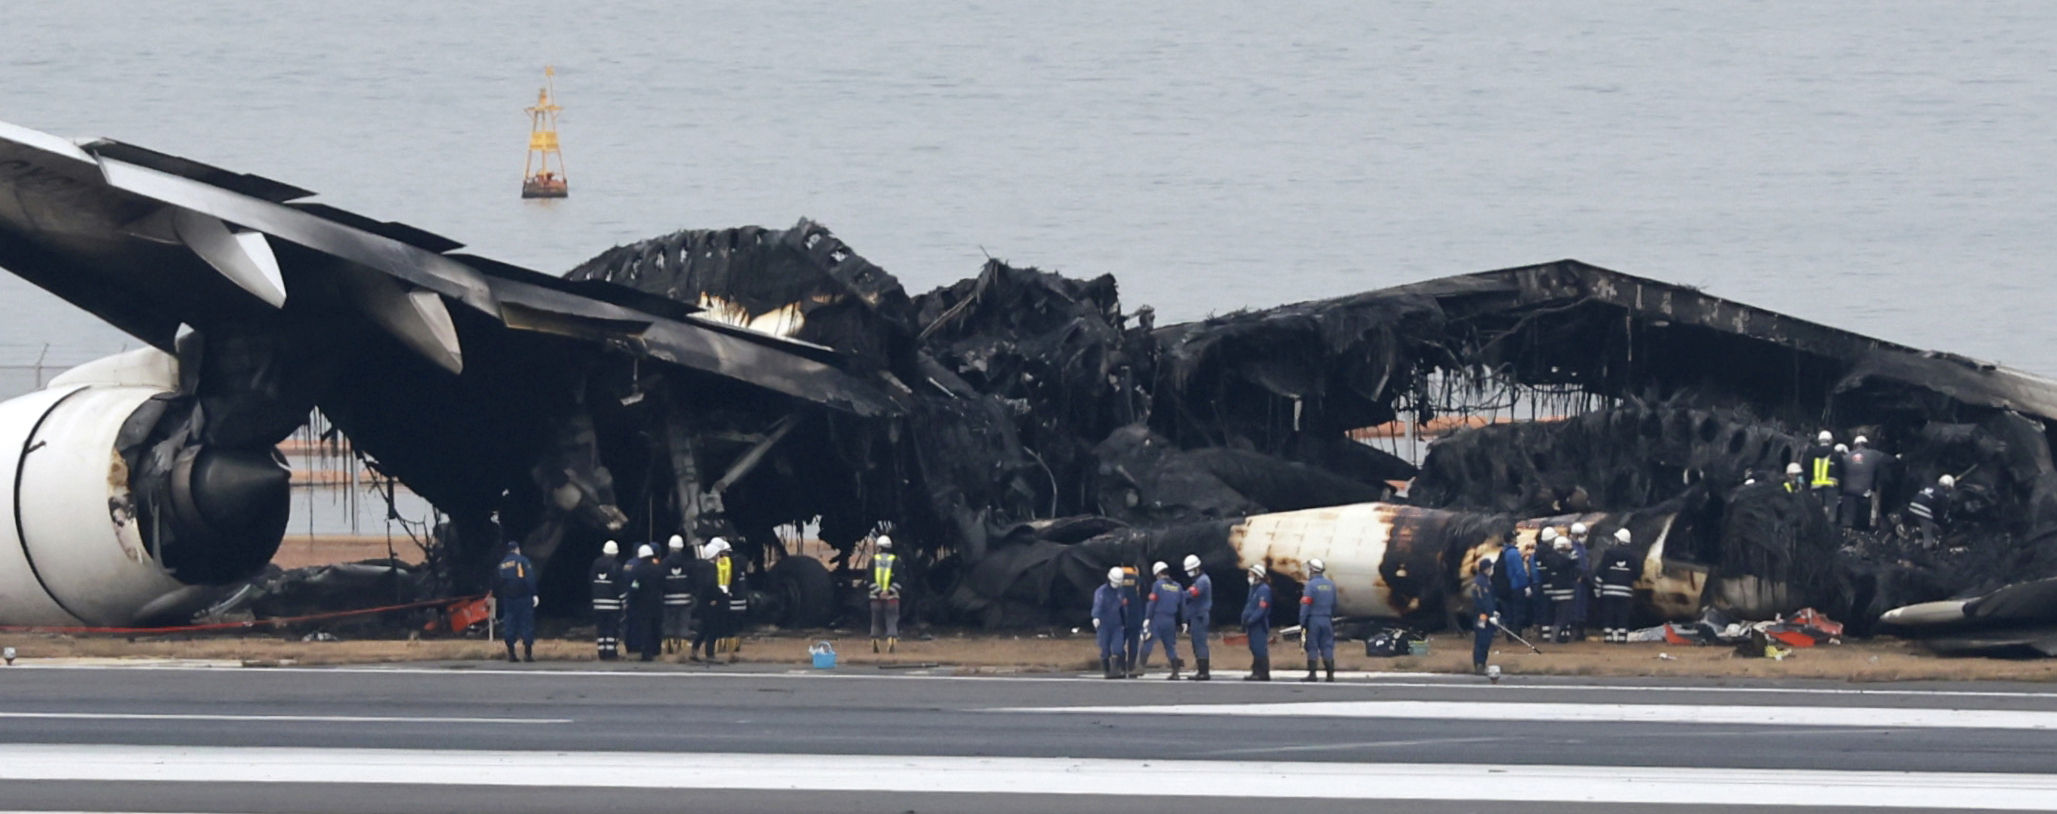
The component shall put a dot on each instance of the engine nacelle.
(76, 545)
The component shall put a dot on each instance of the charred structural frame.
(1018, 431)
(1050, 434)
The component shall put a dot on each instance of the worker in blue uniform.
(1199, 611)
(516, 592)
(1108, 617)
(1317, 619)
(1257, 625)
(1132, 623)
(1511, 584)
(1160, 623)
(1485, 615)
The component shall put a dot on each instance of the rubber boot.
(1330, 666)
(1478, 668)
(1132, 670)
(874, 645)
(510, 653)
(528, 652)
(1256, 671)
(1202, 675)
(1311, 664)
(1107, 669)
(1176, 665)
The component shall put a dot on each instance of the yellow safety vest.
(882, 574)
(722, 570)
(1821, 472)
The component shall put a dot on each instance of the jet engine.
(103, 523)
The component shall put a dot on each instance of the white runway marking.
(1334, 747)
(1067, 776)
(327, 719)
(1862, 717)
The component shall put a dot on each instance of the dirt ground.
(1875, 660)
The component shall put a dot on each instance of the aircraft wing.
(149, 242)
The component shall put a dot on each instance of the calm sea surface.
(1890, 168)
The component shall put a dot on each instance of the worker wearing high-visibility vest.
(1824, 468)
(885, 596)
(715, 594)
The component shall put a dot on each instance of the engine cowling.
(77, 547)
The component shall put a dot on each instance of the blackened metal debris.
(1020, 430)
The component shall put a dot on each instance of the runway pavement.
(520, 738)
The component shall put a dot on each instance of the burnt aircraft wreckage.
(1018, 431)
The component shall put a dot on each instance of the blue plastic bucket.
(824, 655)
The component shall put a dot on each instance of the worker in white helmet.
(1858, 506)
(605, 577)
(678, 594)
(645, 603)
(1257, 624)
(1108, 614)
(1930, 509)
(1540, 553)
(715, 590)
(1794, 482)
(1562, 588)
(1618, 571)
(885, 595)
(1199, 612)
(1823, 468)
(1582, 600)
(1160, 617)
(1317, 618)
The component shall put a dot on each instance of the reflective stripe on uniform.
(1821, 472)
(723, 570)
(882, 574)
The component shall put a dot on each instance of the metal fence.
(16, 380)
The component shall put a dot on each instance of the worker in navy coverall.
(1317, 619)
(1162, 613)
(1257, 624)
(1199, 611)
(516, 593)
(1108, 616)
(1132, 623)
(1484, 613)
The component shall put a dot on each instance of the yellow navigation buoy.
(542, 176)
